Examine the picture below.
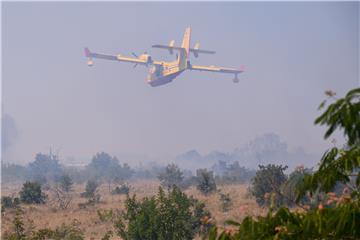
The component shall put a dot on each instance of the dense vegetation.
(335, 216)
(171, 215)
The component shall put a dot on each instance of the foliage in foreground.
(322, 223)
(339, 216)
(171, 215)
(63, 232)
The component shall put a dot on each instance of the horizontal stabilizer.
(193, 50)
(201, 51)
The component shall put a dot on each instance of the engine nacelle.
(146, 58)
(196, 53)
(171, 45)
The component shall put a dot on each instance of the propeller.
(140, 57)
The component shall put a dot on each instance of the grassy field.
(49, 215)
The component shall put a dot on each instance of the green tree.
(9, 202)
(18, 228)
(171, 215)
(107, 168)
(46, 167)
(266, 185)
(172, 176)
(206, 181)
(66, 183)
(90, 188)
(31, 193)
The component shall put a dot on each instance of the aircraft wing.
(216, 69)
(193, 50)
(139, 60)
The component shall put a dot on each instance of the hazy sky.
(292, 53)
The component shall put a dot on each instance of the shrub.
(107, 235)
(167, 216)
(31, 193)
(232, 173)
(91, 192)
(46, 167)
(172, 176)
(206, 182)
(61, 198)
(105, 215)
(64, 232)
(266, 185)
(107, 168)
(288, 188)
(123, 189)
(9, 202)
(225, 201)
(18, 228)
(90, 188)
(66, 183)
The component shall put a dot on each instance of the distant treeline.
(46, 168)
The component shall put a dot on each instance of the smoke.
(9, 132)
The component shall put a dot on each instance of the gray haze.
(292, 53)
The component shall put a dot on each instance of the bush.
(172, 176)
(90, 189)
(45, 168)
(31, 193)
(105, 215)
(225, 201)
(66, 183)
(266, 185)
(9, 202)
(288, 188)
(91, 192)
(123, 189)
(167, 216)
(18, 228)
(64, 232)
(232, 173)
(206, 182)
(107, 168)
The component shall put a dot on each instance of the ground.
(49, 215)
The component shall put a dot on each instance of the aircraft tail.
(185, 49)
(186, 41)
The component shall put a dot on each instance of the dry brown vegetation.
(49, 215)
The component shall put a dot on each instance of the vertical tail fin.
(184, 53)
(186, 41)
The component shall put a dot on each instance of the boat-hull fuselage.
(159, 80)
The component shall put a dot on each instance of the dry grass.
(49, 215)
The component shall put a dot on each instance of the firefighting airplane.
(161, 72)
